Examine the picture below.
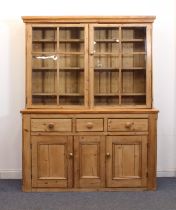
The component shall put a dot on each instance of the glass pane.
(106, 100)
(134, 87)
(106, 47)
(71, 61)
(44, 82)
(106, 87)
(68, 47)
(134, 61)
(71, 87)
(133, 82)
(130, 47)
(106, 34)
(71, 34)
(133, 33)
(43, 61)
(133, 100)
(44, 100)
(44, 39)
(44, 85)
(71, 100)
(106, 62)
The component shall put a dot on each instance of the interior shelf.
(44, 40)
(71, 40)
(44, 94)
(133, 40)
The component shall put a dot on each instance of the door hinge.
(26, 100)
(147, 174)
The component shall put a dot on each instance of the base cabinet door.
(126, 161)
(52, 161)
(89, 161)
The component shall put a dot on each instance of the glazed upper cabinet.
(119, 65)
(89, 65)
(58, 69)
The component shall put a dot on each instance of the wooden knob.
(71, 154)
(128, 124)
(107, 154)
(89, 125)
(51, 125)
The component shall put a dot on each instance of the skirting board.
(17, 174)
(10, 174)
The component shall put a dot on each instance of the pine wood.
(89, 123)
(127, 161)
(89, 161)
(51, 125)
(47, 155)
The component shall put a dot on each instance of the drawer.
(51, 125)
(89, 125)
(127, 124)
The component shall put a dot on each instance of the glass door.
(72, 47)
(118, 65)
(58, 65)
(44, 66)
(133, 66)
(104, 63)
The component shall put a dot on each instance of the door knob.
(71, 154)
(107, 154)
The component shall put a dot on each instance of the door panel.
(126, 161)
(89, 161)
(51, 164)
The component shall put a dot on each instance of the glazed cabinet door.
(57, 65)
(89, 161)
(52, 162)
(120, 65)
(126, 161)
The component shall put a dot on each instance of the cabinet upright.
(89, 123)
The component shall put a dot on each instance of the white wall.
(12, 68)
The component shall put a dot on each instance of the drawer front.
(51, 125)
(127, 124)
(89, 125)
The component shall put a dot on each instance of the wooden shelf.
(44, 69)
(44, 94)
(44, 40)
(108, 40)
(133, 69)
(133, 40)
(106, 53)
(106, 69)
(133, 53)
(71, 53)
(71, 40)
(106, 94)
(71, 94)
(71, 69)
(39, 53)
(133, 94)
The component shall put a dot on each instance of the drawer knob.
(128, 125)
(71, 154)
(89, 125)
(51, 125)
(107, 154)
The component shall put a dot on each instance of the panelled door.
(126, 161)
(89, 161)
(52, 161)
